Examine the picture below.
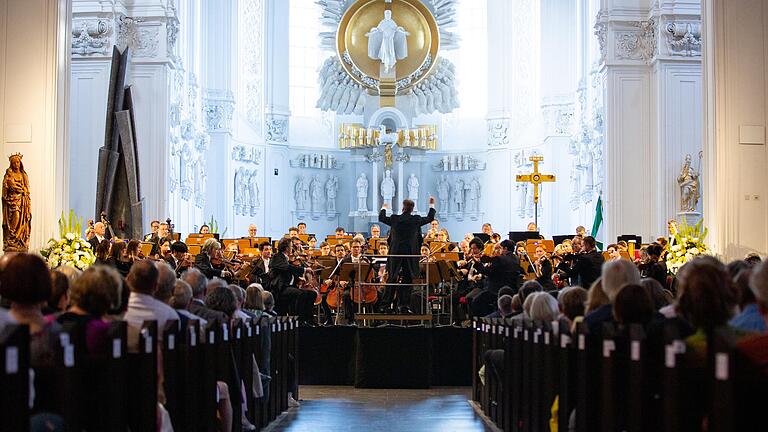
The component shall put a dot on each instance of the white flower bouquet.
(70, 249)
(686, 243)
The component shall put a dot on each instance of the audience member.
(142, 281)
(633, 305)
(595, 297)
(59, 293)
(220, 298)
(528, 288)
(572, 302)
(239, 301)
(269, 303)
(505, 290)
(750, 318)
(254, 304)
(615, 275)
(181, 299)
(198, 282)
(544, 307)
(659, 295)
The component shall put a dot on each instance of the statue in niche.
(413, 191)
(473, 195)
(387, 42)
(688, 180)
(444, 193)
(458, 195)
(331, 189)
(253, 192)
(388, 188)
(362, 193)
(17, 207)
(239, 202)
(316, 192)
(388, 156)
(587, 165)
(300, 193)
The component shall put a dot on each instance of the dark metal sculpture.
(118, 195)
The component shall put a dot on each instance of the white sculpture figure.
(587, 165)
(354, 94)
(688, 180)
(331, 189)
(422, 100)
(239, 191)
(325, 99)
(253, 191)
(387, 42)
(413, 191)
(387, 138)
(316, 192)
(388, 188)
(444, 193)
(342, 105)
(360, 104)
(473, 195)
(338, 94)
(299, 193)
(362, 193)
(430, 106)
(458, 195)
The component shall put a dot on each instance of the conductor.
(404, 239)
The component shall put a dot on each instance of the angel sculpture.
(387, 42)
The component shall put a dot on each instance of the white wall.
(34, 70)
(736, 181)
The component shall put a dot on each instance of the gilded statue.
(388, 159)
(17, 208)
(688, 180)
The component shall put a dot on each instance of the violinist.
(179, 259)
(543, 268)
(426, 255)
(211, 249)
(283, 279)
(312, 243)
(325, 249)
(583, 267)
(471, 283)
(503, 269)
(260, 266)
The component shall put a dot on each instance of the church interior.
(286, 215)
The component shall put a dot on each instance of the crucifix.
(535, 178)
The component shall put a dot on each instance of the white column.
(735, 179)
(34, 92)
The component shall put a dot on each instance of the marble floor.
(339, 408)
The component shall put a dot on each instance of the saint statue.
(388, 188)
(458, 195)
(331, 188)
(316, 192)
(299, 193)
(688, 180)
(387, 42)
(444, 193)
(388, 156)
(413, 191)
(362, 193)
(17, 208)
(473, 195)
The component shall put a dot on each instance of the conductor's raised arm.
(431, 214)
(383, 218)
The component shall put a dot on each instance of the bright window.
(305, 57)
(471, 58)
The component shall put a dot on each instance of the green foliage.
(72, 224)
(214, 226)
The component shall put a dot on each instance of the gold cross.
(536, 178)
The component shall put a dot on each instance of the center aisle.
(347, 408)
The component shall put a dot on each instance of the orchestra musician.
(325, 249)
(543, 269)
(283, 277)
(260, 266)
(339, 252)
(471, 281)
(355, 256)
(404, 239)
(252, 231)
(179, 259)
(375, 231)
(340, 232)
(312, 242)
(502, 270)
(302, 227)
(152, 236)
(487, 229)
(204, 229)
(211, 249)
(293, 232)
(584, 265)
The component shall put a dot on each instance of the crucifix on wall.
(535, 178)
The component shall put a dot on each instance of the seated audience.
(142, 281)
(572, 301)
(505, 290)
(595, 297)
(269, 303)
(220, 298)
(544, 307)
(528, 288)
(633, 305)
(661, 297)
(198, 282)
(749, 318)
(180, 301)
(59, 293)
(239, 301)
(616, 274)
(254, 304)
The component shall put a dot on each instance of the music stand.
(558, 239)
(630, 237)
(517, 236)
(482, 236)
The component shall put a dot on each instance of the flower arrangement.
(70, 249)
(687, 243)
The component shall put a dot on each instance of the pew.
(14, 377)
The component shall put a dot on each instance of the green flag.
(598, 220)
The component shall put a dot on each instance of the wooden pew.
(14, 377)
(566, 362)
(142, 380)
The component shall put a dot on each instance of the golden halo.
(423, 41)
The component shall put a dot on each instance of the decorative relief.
(458, 162)
(316, 160)
(251, 73)
(683, 38)
(172, 35)
(218, 115)
(92, 37)
(637, 44)
(601, 31)
(245, 153)
(498, 132)
(276, 128)
(558, 118)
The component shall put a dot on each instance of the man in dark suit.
(260, 266)
(210, 248)
(178, 259)
(355, 256)
(503, 270)
(99, 233)
(587, 263)
(283, 278)
(404, 239)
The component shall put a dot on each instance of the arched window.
(471, 58)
